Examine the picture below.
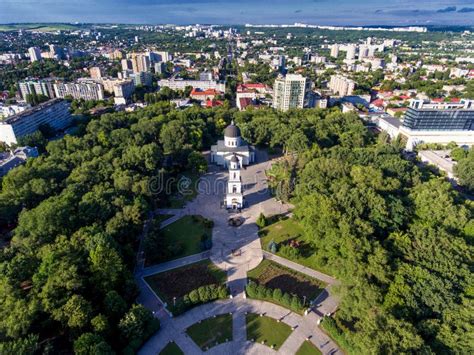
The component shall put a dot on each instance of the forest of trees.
(399, 238)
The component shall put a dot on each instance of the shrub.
(277, 294)
(296, 302)
(251, 289)
(261, 220)
(286, 300)
(273, 247)
(290, 252)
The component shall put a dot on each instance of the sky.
(323, 12)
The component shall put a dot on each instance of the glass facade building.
(427, 119)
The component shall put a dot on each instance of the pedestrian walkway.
(304, 327)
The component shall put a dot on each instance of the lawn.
(171, 349)
(187, 236)
(181, 281)
(267, 329)
(308, 348)
(212, 331)
(273, 275)
(285, 232)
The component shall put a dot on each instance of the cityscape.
(288, 181)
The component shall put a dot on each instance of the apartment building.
(290, 92)
(82, 89)
(341, 85)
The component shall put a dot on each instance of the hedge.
(198, 296)
(276, 295)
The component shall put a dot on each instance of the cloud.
(447, 9)
(466, 9)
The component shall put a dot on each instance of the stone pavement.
(235, 250)
(304, 327)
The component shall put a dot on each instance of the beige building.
(95, 72)
(86, 90)
(341, 85)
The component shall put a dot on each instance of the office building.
(82, 89)
(290, 92)
(35, 54)
(43, 87)
(427, 122)
(180, 84)
(54, 113)
(341, 85)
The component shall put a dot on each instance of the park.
(222, 280)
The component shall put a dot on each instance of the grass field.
(282, 232)
(171, 349)
(212, 331)
(267, 329)
(43, 27)
(308, 348)
(181, 281)
(273, 275)
(187, 236)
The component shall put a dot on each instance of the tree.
(261, 220)
(464, 170)
(197, 163)
(90, 343)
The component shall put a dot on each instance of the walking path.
(236, 250)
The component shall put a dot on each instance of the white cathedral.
(233, 152)
(233, 144)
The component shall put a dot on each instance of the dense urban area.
(343, 224)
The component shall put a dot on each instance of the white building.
(39, 87)
(35, 54)
(335, 50)
(234, 198)
(54, 113)
(180, 84)
(290, 92)
(232, 145)
(86, 90)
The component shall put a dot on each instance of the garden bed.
(175, 286)
(171, 349)
(308, 348)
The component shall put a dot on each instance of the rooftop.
(31, 111)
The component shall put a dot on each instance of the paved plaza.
(235, 250)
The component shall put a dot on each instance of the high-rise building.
(140, 62)
(56, 52)
(335, 50)
(35, 54)
(126, 64)
(341, 85)
(290, 92)
(142, 78)
(351, 52)
(37, 87)
(363, 51)
(83, 89)
(124, 89)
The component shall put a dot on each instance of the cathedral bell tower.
(234, 196)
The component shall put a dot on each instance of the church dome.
(232, 131)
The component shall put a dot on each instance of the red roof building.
(204, 95)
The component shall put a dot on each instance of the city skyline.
(324, 12)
